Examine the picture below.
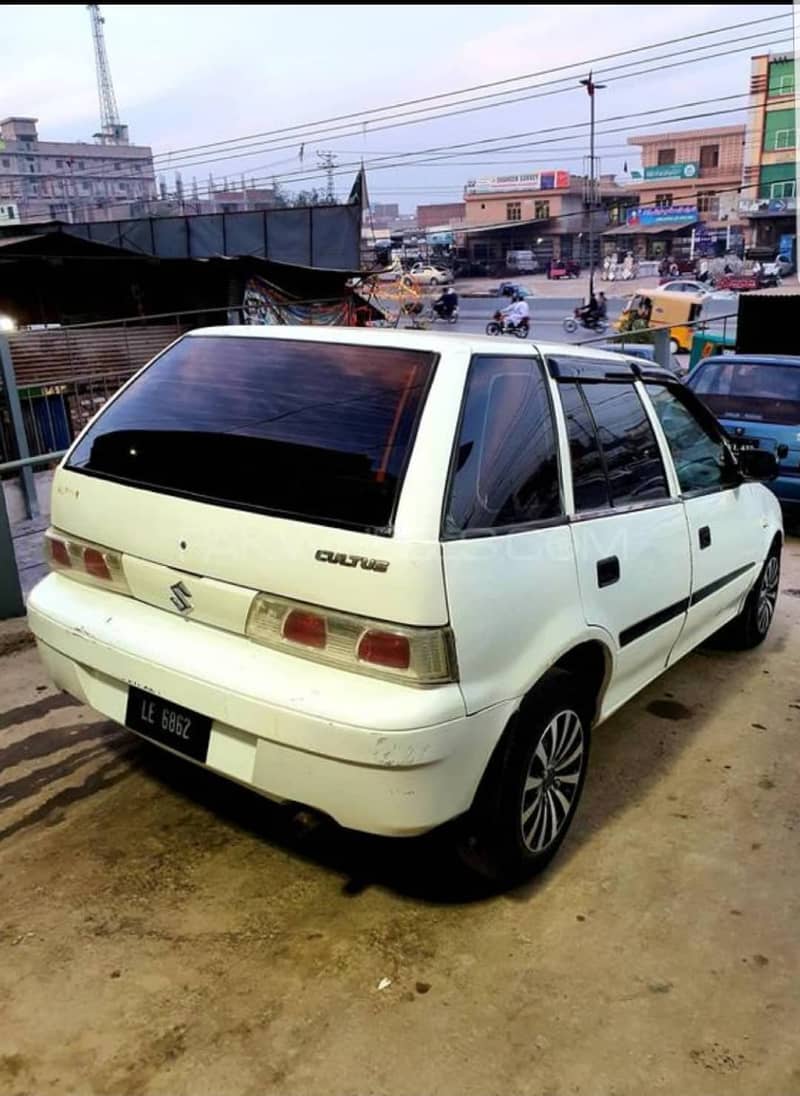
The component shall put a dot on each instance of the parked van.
(398, 576)
(521, 262)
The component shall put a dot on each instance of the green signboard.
(672, 171)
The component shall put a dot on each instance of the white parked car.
(686, 285)
(425, 274)
(398, 577)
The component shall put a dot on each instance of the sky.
(201, 74)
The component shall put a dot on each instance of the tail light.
(416, 656)
(85, 562)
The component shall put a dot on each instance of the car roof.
(752, 359)
(435, 341)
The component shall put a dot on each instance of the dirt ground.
(165, 932)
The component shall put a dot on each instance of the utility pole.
(328, 163)
(591, 88)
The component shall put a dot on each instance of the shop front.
(773, 225)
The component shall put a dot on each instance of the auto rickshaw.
(649, 308)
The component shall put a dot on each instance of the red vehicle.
(563, 268)
(741, 283)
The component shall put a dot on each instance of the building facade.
(544, 212)
(768, 201)
(688, 194)
(440, 214)
(60, 180)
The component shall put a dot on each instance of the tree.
(307, 198)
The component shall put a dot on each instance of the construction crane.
(112, 132)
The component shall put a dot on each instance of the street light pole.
(591, 88)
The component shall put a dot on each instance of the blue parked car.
(756, 397)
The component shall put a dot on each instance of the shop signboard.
(556, 179)
(688, 170)
(661, 217)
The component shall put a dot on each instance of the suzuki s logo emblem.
(181, 598)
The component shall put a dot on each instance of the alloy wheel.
(767, 595)
(552, 781)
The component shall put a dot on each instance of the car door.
(723, 514)
(628, 527)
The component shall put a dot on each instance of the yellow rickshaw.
(658, 308)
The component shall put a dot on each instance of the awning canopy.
(649, 230)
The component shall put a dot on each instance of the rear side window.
(315, 431)
(589, 480)
(755, 391)
(633, 459)
(615, 456)
(506, 468)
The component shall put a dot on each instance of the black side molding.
(655, 620)
(648, 624)
(717, 584)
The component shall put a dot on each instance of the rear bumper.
(375, 756)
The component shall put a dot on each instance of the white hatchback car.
(397, 576)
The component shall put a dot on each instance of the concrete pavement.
(165, 932)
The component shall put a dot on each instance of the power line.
(298, 176)
(250, 150)
(175, 160)
(495, 83)
(710, 45)
(439, 156)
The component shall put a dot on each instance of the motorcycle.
(573, 322)
(498, 325)
(445, 317)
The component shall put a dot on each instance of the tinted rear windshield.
(755, 391)
(315, 431)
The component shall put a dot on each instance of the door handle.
(704, 536)
(607, 571)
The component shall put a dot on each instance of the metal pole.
(27, 482)
(661, 350)
(591, 195)
(11, 603)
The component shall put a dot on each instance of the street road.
(547, 315)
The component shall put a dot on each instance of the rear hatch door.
(241, 462)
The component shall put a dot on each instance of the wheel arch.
(590, 661)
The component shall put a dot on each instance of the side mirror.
(757, 464)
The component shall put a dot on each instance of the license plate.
(168, 724)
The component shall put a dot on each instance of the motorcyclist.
(517, 312)
(590, 313)
(446, 304)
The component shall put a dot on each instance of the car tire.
(751, 626)
(434, 281)
(531, 788)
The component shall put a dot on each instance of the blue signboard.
(666, 217)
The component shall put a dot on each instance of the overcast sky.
(187, 76)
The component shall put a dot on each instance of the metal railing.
(11, 600)
(661, 337)
(52, 382)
